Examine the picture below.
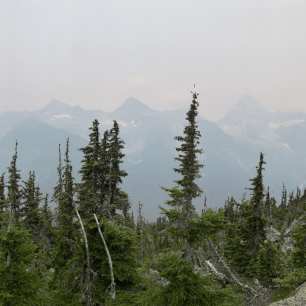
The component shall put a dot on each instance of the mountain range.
(231, 147)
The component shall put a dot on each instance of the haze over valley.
(231, 148)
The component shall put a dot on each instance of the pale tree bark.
(88, 290)
(229, 271)
(112, 285)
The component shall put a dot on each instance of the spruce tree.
(89, 190)
(67, 253)
(31, 196)
(283, 204)
(249, 234)
(118, 199)
(2, 193)
(257, 234)
(267, 212)
(186, 188)
(14, 190)
(20, 283)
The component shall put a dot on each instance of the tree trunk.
(87, 290)
(229, 272)
(187, 255)
(112, 285)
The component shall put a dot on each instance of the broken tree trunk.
(210, 267)
(229, 271)
(87, 291)
(112, 285)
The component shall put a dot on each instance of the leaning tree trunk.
(112, 285)
(229, 271)
(87, 292)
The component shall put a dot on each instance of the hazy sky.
(98, 53)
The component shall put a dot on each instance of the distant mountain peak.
(133, 104)
(55, 105)
(249, 103)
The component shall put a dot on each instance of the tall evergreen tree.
(31, 195)
(67, 254)
(20, 283)
(186, 188)
(259, 234)
(116, 196)
(267, 213)
(283, 204)
(2, 193)
(249, 235)
(58, 189)
(14, 190)
(88, 189)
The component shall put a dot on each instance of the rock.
(160, 281)
(273, 234)
(298, 298)
(293, 225)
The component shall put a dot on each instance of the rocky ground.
(298, 298)
(263, 298)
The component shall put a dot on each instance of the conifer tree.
(67, 253)
(249, 235)
(104, 183)
(2, 193)
(267, 212)
(291, 206)
(90, 189)
(118, 199)
(3, 202)
(58, 189)
(259, 234)
(189, 169)
(31, 196)
(20, 283)
(283, 204)
(14, 191)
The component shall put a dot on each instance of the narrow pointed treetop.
(258, 187)
(14, 192)
(189, 165)
(58, 189)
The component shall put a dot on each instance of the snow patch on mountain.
(135, 125)
(288, 123)
(62, 116)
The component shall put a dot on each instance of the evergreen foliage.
(57, 259)
(14, 191)
(20, 283)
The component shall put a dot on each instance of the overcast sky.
(98, 53)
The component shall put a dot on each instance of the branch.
(229, 271)
(87, 291)
(112, 285)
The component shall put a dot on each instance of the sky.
(96, 54)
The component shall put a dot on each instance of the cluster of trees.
(89, 251)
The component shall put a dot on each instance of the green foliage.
(121, 242)
(185, 287)
(20, 283)
(288, 283)
(267, 263)
(298, 256)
